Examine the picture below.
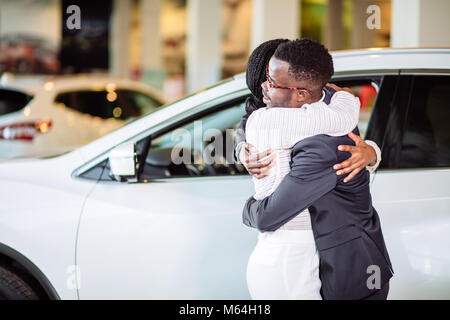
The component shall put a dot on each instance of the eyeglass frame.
(274, 86)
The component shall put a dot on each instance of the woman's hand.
(335, 87)
(258, 164)
(362, 156)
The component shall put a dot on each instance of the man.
(363, 154)
(346, 227)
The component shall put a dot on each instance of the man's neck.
(317, 96)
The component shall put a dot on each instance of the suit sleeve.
(311, 177)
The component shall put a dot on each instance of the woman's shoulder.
(277, 115)
(270, 111)
(275, 121)
(255, 115)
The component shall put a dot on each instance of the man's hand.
(258, 164)
(362, 155)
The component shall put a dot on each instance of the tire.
(13, 287)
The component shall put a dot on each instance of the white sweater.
(280, 129)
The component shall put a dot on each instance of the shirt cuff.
(237, 152)
(373, 144)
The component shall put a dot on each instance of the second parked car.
(50, 115)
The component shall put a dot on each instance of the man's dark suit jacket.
(345, 225)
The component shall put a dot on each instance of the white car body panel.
(414, 210)
(44, 232)
(168, 247)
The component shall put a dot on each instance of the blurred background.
(74, 70)
(180, 46)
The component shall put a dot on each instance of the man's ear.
(302, 95)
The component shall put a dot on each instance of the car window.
(366, 90)
(143, 101)
(202, 147)
(12, 101)
(377, 115)
(426, 136)
(120, 104)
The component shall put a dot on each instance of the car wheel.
(12, 287)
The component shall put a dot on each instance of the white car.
(118, 218)
(47, 114)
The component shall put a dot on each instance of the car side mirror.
(123, 162)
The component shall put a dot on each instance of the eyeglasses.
(274, 86)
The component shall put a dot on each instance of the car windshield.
(12, 101)
(179, 100)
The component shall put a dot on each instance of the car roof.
(388, 59)
(32, 84)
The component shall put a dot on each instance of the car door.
(376, 91)
(411, 189)
(407, 116)
(178, 232)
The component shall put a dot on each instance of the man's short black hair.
(308, 60)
